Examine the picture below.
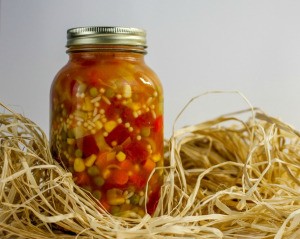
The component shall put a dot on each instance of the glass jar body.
(106, 127)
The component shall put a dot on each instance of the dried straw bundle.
(225, 178)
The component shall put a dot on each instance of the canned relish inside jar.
(107, 120)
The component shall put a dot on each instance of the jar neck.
(134, 53)
(107, 48)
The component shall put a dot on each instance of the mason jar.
(106, 119)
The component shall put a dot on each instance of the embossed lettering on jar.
(106, 119)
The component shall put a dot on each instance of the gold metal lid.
(96, 35)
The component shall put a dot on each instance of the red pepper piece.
(137, 151)
(127, 115)
(67, 85)
(104, 204)
(68, 106)
(153, 201)
(88, 145)
(119, 134)
(114, 110)
(126, 165)
(101, 161)
(118, 177)
(148, 166)
(139, 181)
(93, 78)
(158, 124)
(82, 179)
(144, 120)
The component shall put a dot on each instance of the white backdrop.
(194, 46)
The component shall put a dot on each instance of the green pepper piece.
(93, 91)
(145, 131)
(110, 93)
(93, 171)
(99, 181)
(115, 210)
(97, 194)
(134, 200)
(78, 153)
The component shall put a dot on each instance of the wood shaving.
(224, 178)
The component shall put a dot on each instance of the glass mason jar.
(106, 118)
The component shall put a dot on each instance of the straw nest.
(224, 178)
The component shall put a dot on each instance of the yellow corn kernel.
(79, 165)
(127, 91)
(115, 197)
(98, 124)
(141, 212)
(121, 156)
(89, 161)
(87, 106)
(135, 106)
(110, 125)
(116, 201)
(70, 141)
(79, 132)
(156, 157)
(106, 173)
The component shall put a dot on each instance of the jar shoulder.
(107, 73)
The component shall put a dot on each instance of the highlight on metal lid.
(95, 35)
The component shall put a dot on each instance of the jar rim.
(106, 35)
